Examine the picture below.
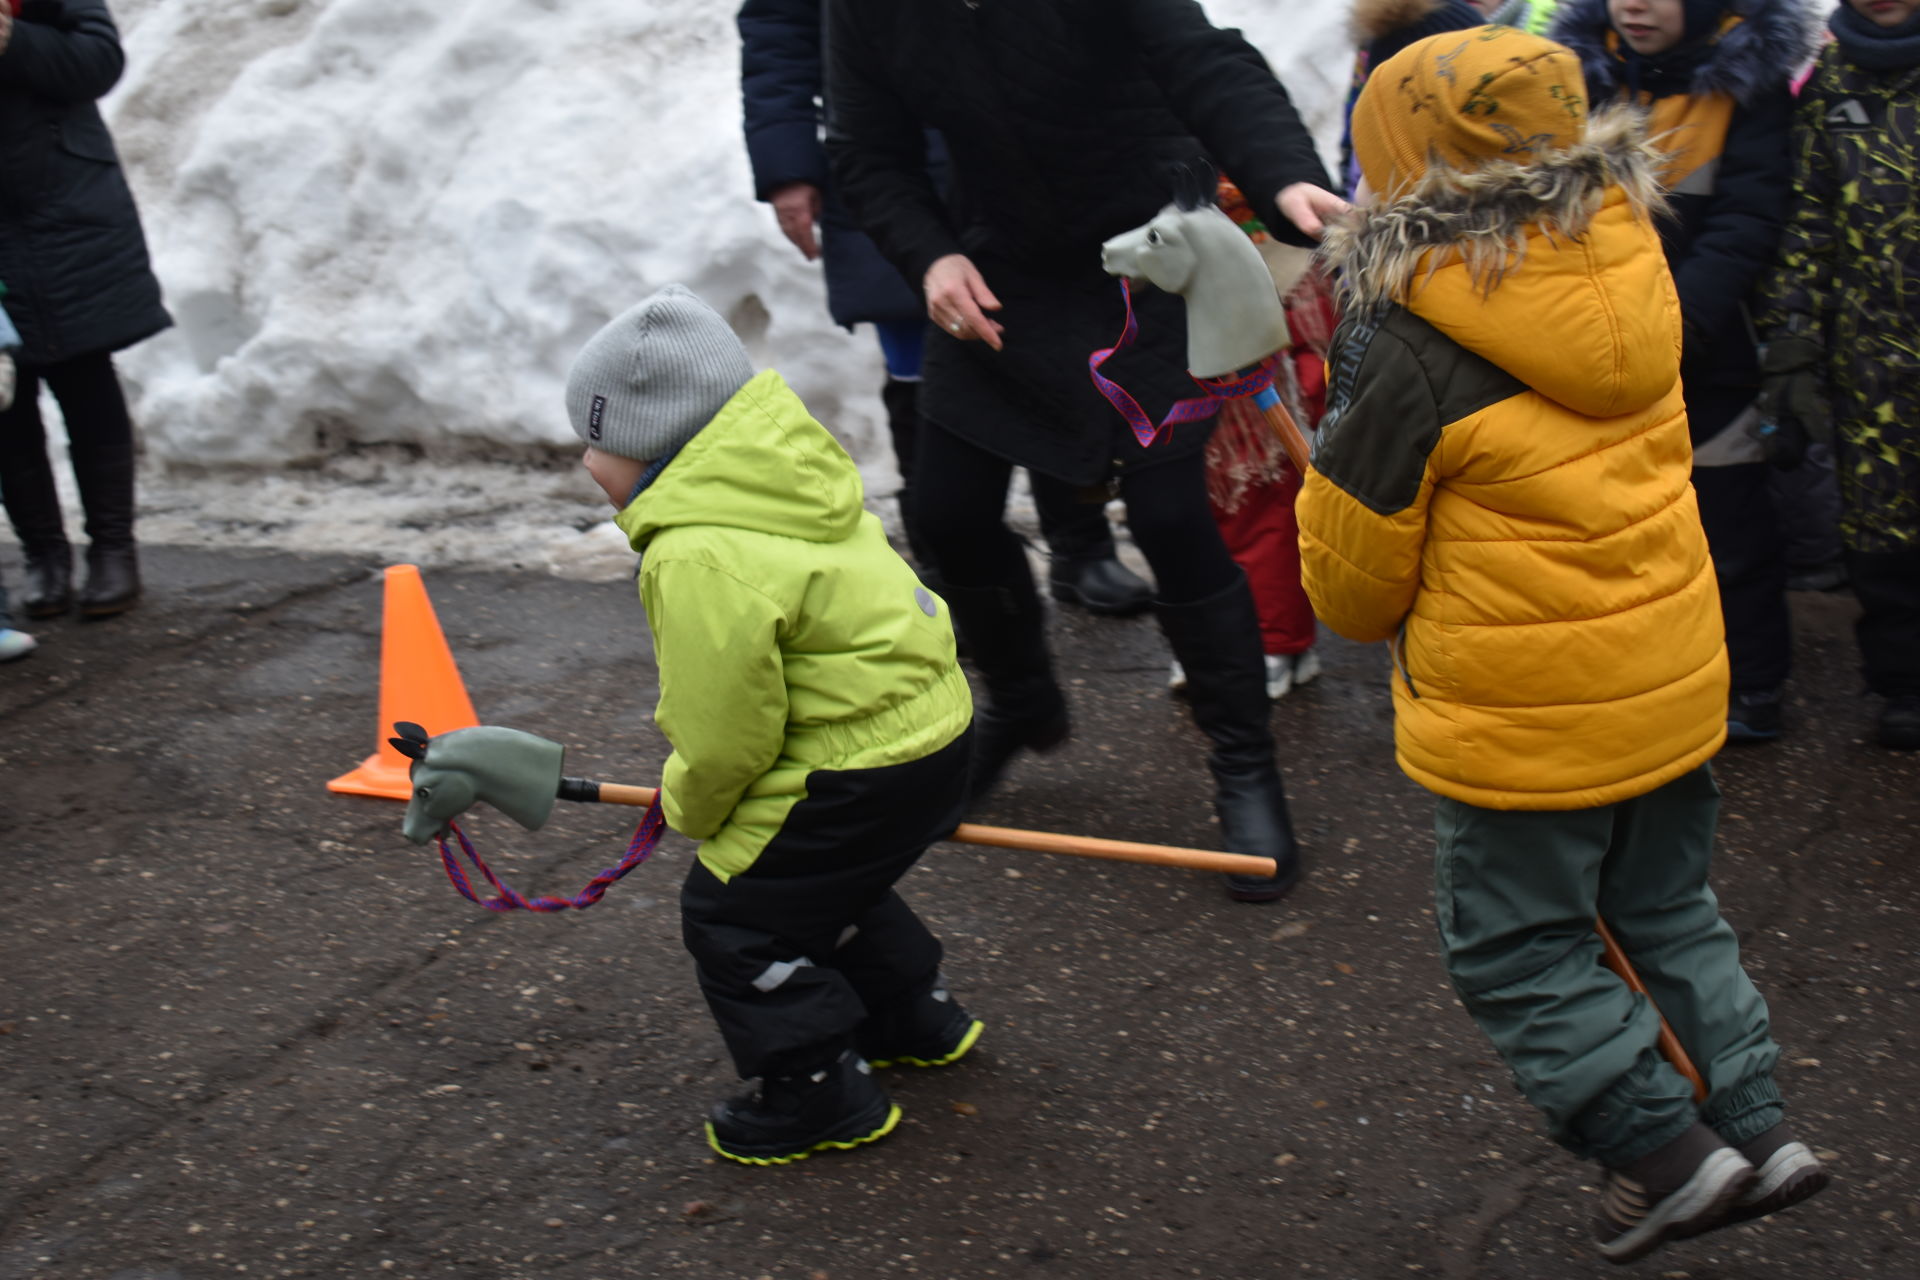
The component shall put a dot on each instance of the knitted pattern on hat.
(654, 376)
(1466, 98)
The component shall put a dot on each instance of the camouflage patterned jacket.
(1850, 274)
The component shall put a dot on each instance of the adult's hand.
(1784, 443)
(1309, 207)
(797, 206)
(958, 300)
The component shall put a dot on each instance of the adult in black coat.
(1716, 77)
(780, 83)
(1065, 125)
(79, 288)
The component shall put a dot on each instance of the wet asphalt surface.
(247, 1030)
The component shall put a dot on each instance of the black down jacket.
(71, 251)
(1065, 123)
(780, 80)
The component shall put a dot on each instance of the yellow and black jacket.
(1500, 486)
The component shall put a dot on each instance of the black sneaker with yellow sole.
(931, 1030)
(791, 1117)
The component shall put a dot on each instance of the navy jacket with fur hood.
(1724, 224)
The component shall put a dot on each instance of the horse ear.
(1194, 182)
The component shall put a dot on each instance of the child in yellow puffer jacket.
(1500, 487)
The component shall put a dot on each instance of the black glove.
(1784, 442)
(1793, 393)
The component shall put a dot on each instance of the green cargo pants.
(1516, 893)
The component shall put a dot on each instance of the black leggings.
(100, 436)
(960, 502)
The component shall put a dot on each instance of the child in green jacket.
(818, 718)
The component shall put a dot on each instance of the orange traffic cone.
(418, 682)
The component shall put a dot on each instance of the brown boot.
(1787, 1174)
(1679, 1191)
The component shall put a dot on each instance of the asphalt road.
(246, 1030)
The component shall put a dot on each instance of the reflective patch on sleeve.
(778, 972)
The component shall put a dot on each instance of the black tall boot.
(1217, 641)
(105, 476)
(1003, 628)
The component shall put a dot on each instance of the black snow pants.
(1749, 558)
(795, 952)
(1887, 584)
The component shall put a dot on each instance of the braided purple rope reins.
(1233, 386)
(652, 825)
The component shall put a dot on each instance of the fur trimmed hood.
(1772, 41)
(1486, 215)
(1551, 270)
(1372, 19)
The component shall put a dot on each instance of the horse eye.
(1153, 237)
(425, 793)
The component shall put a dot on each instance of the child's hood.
(762, 464)
(1759, 47)
(1550, 270)
(1372, 19)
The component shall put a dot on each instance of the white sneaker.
(1279, 675)
(16, 644)
(1176, 677)
(1285, 672)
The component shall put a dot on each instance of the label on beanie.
(594, 416)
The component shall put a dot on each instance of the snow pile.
(393, 222)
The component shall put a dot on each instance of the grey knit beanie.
(646, 383)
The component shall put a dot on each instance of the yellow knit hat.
(1465, 98)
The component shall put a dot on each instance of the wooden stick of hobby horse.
(1611, 955)
(1286, 428)
(1616, 959)
(1240, 864)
